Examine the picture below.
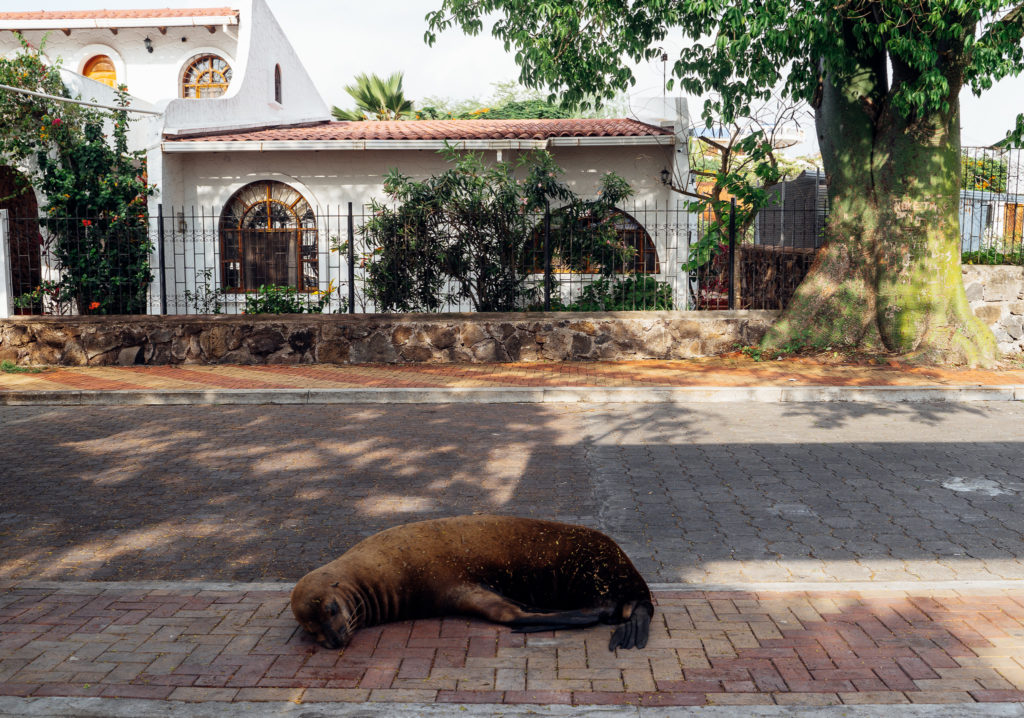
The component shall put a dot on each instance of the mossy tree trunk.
(888, 276)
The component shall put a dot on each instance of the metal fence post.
(160, 258)
(6, 281)
(547, 256)
(732, 253)
(351, 261)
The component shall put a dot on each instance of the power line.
(78, 102)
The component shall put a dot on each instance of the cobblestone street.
(719, 493)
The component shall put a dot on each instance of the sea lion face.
(324, 614)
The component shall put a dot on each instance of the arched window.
(277, 84)
(268, 236)
(205, 76)
(628, 233)
(101, 69)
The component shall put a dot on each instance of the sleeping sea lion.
(528, 574)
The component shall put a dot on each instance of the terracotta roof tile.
(118, 14)
(442, 130)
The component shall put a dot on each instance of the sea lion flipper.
(534, 621)
(634, 631)
(491, 605)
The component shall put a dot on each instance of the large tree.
(884, 78)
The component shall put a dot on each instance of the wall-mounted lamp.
(666, 177)
(148, 43)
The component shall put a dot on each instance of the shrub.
(471, 232)
(278, 299)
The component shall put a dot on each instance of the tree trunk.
(888, 276)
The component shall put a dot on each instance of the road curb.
(517, 395)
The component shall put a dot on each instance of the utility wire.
(78, 102)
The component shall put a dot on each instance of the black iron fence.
(190, 262)
(337, 260)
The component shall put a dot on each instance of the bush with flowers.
(96, 217)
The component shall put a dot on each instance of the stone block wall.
(996, 294)
(377, 338)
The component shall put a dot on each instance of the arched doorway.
(268, 237)
(25, 240)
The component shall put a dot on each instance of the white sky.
(336, 39)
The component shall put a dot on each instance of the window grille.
(268, 236)
(206, 76)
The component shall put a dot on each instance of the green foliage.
(470, 233)
(279, 299)
(96, 193)
(208, 298)
(986, 173)
(30, 125)
(528, 109)
(511, 101)
(743, 48)
(625, 294)
(381, 98)
(96, 213)
(992, 256)
(9, 367)
(513, 110)
(747, 184)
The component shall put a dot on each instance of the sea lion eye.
(333, 609)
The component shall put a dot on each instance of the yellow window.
(101, 69)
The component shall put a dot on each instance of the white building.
(241, 126)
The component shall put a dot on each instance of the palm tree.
(375, 97)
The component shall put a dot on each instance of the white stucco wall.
(249, 102)
(153, 77)
(252, 47)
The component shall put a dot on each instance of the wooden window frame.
(239, 243)
(192, 82)
(95, 60)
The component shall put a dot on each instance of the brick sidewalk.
(711, 371)
(809, 648)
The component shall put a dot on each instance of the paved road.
(726, 493)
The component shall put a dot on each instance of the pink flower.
(56, 122)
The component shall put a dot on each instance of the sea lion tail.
(633, 633)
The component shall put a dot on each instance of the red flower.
(86, 223)
(94, 305)
(56, 122)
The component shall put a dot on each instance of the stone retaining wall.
(996, 294)
(364, 338)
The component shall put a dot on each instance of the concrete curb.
(517, 395)
(131, 708)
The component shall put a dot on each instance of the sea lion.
(529, 574)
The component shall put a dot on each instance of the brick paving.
(717, 494)
(706, 648)
(722, 494)
(711, 371)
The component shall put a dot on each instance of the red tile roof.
(118, 14)
(442, 130)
